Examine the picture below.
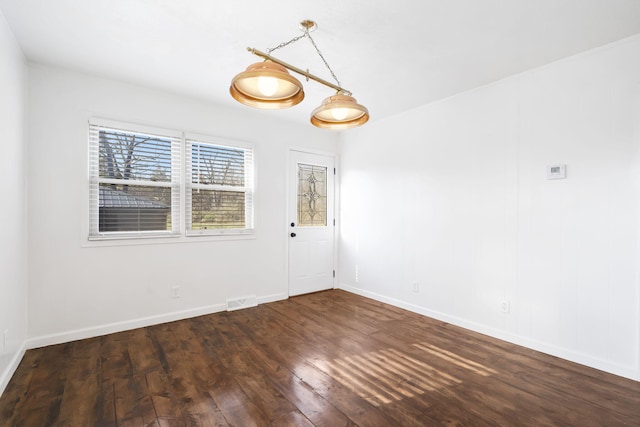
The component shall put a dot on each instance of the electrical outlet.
(415, 287)
(505, 306)
(175, 291)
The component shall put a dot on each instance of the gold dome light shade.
(266, 85)
(339, 112)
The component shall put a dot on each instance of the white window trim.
(182, 235)
(249, 187)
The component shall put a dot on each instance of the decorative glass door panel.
(312, 196)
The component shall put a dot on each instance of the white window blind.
(134, 181)
(149, 182)
(220, 188)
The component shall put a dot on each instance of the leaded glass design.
(312, 195)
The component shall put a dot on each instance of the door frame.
(336, 208)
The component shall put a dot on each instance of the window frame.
(179, 184)
(248, 189)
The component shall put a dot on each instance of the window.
(220, 189)
(138, 188)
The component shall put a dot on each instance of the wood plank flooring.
(325, 359)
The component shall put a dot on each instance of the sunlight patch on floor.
(456, 359)
(385, 376)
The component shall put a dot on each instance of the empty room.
(336, 213)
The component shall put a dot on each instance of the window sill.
(106, 241)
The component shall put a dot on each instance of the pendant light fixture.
(339, 112)
(268, 85)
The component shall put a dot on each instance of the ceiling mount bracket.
(308, 26)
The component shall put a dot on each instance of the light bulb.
(267, 85)
(339, 113)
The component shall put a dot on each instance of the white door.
(311, 222)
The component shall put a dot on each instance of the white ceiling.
(393, 55)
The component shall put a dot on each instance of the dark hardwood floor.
(326, 359)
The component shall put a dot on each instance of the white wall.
(78, 291)
(13, 245)
(454, 195)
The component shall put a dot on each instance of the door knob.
(293, 234)
(293, 224)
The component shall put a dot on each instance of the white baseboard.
(78, 334)
(11, 368)
(630, 372)
(111, 328)
(272, 298)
